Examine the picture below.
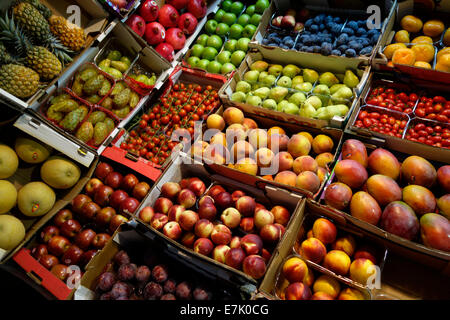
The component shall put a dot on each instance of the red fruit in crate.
(276, 22)
(58, 245)
(254, 266)
(87, 257)
(114, 179)
(116, 221)
(61, 271)
(168, 16)
(288, 22)
(79, 201)
(49, 232)
(149, 10)
(197, 186)
(162, 205)
(165, 50)
(170, 190)
(121, 258)
(102, 170)
(104, 216)
(252, 244)
(102, 195)
(106, 281)
(70, 228)
(92, 186)
(39, 251)
(72, 256)
(221, 234)
(129, 182)
(154, 33)
(207, 211)
(174, 212)
(146, 214)
(205, 200)
(90, 210)
(62, 216)
(197, 7)
(215, 190)
(117, 197)
(187, 23)
(172, 230)
(187, 198)
(100, 240)
(235, 257)
(48, 261)
(140, 190)
(129, 205)
(246, 206)
(236, 195)
(178, 4)
(137, 24)
(223, 200)
(203, 246)
(159, 220)
(84, 238)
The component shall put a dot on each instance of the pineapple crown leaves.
(10, 33)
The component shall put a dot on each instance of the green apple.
(197, 50)
(251, 76)
(237, 57)
(291, 108)
(242, 44)
(297, 98)
(215, 41)
(214, 67)
(236, 31)
(269, 80)
(249, 31)
(224, 57)
(284, 81)
(230, 45)
(210, 26)
(261, 5)
(244, 19)
(238, 96)
(219, 15)
(255, 19)
(203, 64)
(202, 39)
(250, 10)
(226, 5)
(193, 61)
(222, 29)
(253, 100)
(229, 18)
(269, 104)
(227, 68)
(243, 86)
(209, 53)
(237, 7)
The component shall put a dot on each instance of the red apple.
(72, 256)
(252, 244)
(235, 257)
(270, 233)
(85, 238)
(114, 179)
(48, 261)
(104, 216)
(92, 186)
(203, 228)
(231, 218)
(39, 251)
(129, 182)
(62, 216)
(61, 271)
(170, 190)
(49, 232)
(90, 210)
(79, 201)
(188, 219)
(162, 205)
(188, 239)
(141, 190)
(172, 230)
(58, 245)
(203, 246)
(215, 190)
(116, 198)
(146, 214)
(159, 220)
(254, 266)
(247, 225)
(86, 257)
(116, 221)
(281, 215)
(223, 200)
(246, 206)
(197, 186)
(235, 242)
(100, 240)
(236, 195)
(129, 205)
(70, 228)
(207, 211)
(102, 170)
(219, 253)
(174, 212)
(102, 195)
(221, 234)
(187, 198)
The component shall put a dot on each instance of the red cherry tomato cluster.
(393, 99)
(437, 108)
(433, 135)
(381, 122)
(174, 113)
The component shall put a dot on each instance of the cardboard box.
(35, 123)
(346, 11)
(25, 260)
(93, 19)
(426, 12)
(182, 167)
(395, 143)
(427, 256)
(302, 60)
(291, 129)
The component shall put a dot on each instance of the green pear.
(291, 70)
(323, 92)
(238, 96)
(278, 93)
(262, 76)
(310, 75)
(275, 69)
(297, 80)
(256, 86)
(336, 87)
(350, 79)
(307, 111)
(262, 92)
(284, 81)
(269, 80)
(243, 86)
(253, 100)
(259, 66)
(314, 101)
(281, 105)
(342, 96)
(251, 76)
(329, 112)
(269, 104)
(297, 98)
(328, 79)
(291, 108)
(304, 87)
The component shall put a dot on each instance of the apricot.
(322, 174)
(286, 177)
(337, 261)
(295, 270)
(346, 244)
(411, 23)
(422, 39)
(441, 52)
(422, 64)
(308, 180)
(402, 36)
(390, 49)
(313, 250)
(321, 296)
(327, 285)
(424, 51)
(324, 158)
(324, 230)
(361, 269)
(307, 135)
(446, 38)
(233, 115)
(433, 28)
(322, 143)
(351, 294)
(275, 129)
(304, 163)
(404, 56)
(382, 161)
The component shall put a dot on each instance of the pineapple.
(69, 34)
(43, 9)
(37, 28)
(5, 57)
(18, 80)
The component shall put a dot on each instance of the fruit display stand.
(295, 28)
(401, 141)
(36, 123)
(302, 61)
(93, 19)
(259, 172)
(406, 66)
(178, 172)
(83, 225)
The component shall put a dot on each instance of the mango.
(353, 149)
(435, 231)
(384, 189)
(417, 170)
(382, 161)
(443, 177)
(443, 204)
(351, 172)
(338, 195)
(364, 207)
(419, 198)
(399, 218)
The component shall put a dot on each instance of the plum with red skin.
(160, 273)
(201, 294)
(170, 286)
(168, 296)
(183, 291)
(127, 272)
(153, 291)
(143, 273)
(106, 281)
(121, 257)
(120, 289)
